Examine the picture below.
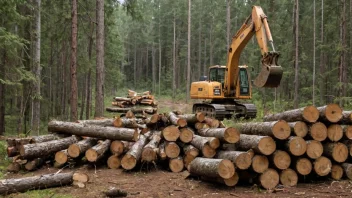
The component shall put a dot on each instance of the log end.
(281, 130)
(297, 146)
(322, 166)
(340, 152)
(300, 129)
(171, 133)
(114, 162)
(186, 135)
(181, 122)
(136, 135)
(335, 132)
(289, 177)
(208, 152)
(269, 179)
(148, 155)
(303, 166)
(118, 122)
(260, 163)
(200, 116)
(61, 157)
(187, 159)
(128, 162)
(314, 149)
(214, 143)
(91, 155)
(116, 147)
(80, 177)
(172, 150)
(226, 169)
(348, 131)
(243, 161)
(176, 165)
(281, 159)
(318, 131)
(267, 145)
(333, 113)
(154, 118)
(231, 135)
(336, 172)
(311, 114)
(348, 170)
(73, 150)
(232, 181)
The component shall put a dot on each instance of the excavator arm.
(271, 73)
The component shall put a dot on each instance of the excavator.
(227, 85)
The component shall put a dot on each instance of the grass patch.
(4, 162)
(41, 194)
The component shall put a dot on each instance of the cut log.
(125, 122)
(46, 138)
(232, 181)
(176, 164)
(348, 143)
(130, 114)
(9, 186)
(269, 179)
(289, 177)
(212, 122)
(212, 167)
(30, 151)
(176, 120)
(149, 153)
(187, 159)
(114, 162)
(111, 133)
(318, 131)
(296, 146)
(172, 150)
(303, 166)
(214, 142)
(298, 128)
(242, 160)
(189, 149)
(122, 99)
(202, 143)
(102, 122)
(193, 118)
(229, 135)
(335, 132)
(61, 157)
(14, 167)
(119, 147)
(97, 152)
(200, 125)
(347, 131)
(114, 192)
(12, 151)
(147, 110)
(314, 149)
(161, 151)
(306, 114)
(79, 148)
(17, 142)
(346, 118)
(260, 144)
(80, 177)
(260, 163)
(281, 159)
(336, 172)
(133, 156)
(278, 129)
(336, 151)
(331, 113)
(347, 170)
(171, 133)
(186, 135)
(322, 166)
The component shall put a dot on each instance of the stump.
(212, 167)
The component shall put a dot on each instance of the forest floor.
(152, 181)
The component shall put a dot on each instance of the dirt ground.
(157, 182)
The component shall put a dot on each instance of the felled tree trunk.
(269, 179)
(14, 167)
(176, 164)
(202, 143)
(118, 147)
(114, 162)
(102, 122)
(29, 151)
(296, 146)
(330, 113)
(161, 151)
(147, 110)
(113, 192)
(46, 138)
(171, 133)
(79, 148)
(125, 122)
(229, 135)
(306, 114)
(298, 128)
(9, 186)
(149, 153)
(172, 150)
(111, 133)
(260, 144)
(318, 131)
(278, 129)
(12, 151)
(190, 150)
(133, 156)
(212, 167)
(212, 122)
(186, 134)
(260, 163)
(61, 157)
(242, 160)
(288, 177)
(201, 125)
(347, 131)
(336, 151)
(193, 118)
(281, 159)
(314, 149)
(177, 120)
(322, 166)
(335, 132)
(34, 164)
(302, 165)
(97, 152)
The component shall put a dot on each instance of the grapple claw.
(271, 73)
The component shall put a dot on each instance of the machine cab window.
(244, 83)
(217, 74)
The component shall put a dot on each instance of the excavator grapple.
(271, 73)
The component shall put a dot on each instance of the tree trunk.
(77, 149)
(37, 71)
(161, 152)
(303, 166)
(314, 149)
(174, 59)
(342, 60)
(147, 110)
(171, 133)
(212, 122)
(336, 172)
(322, 166)
(228, 23)
(269, 179)
(212, 167)
(2, 92)
(99, 89)
(97, 152)
(278, 129)
(133, 156)
(29, 151)
(242, 160)
(111, 133)
(335, 132)
(202, 143)
(149, 153)
(281, 159)
(74, 94)
(296, 33)
(172, 150)
(189, 149)
(188, 53)
(176, 164)
(9, 186)
(305, 114)
(318, 131)
(289, 178)
(296, 146)
(336, 151)
(322, 59)
(260, 144)
(330, 113)
(228, 135)
(298, 128)
(102, 123)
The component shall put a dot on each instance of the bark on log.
(193, 118)
(61, 157)
(119, 147)
(147, 110)
(348, 143)
(318, 131)
(202, 143)
(97, 152)
(176, 120)
(186, 134)
(335, 132)
(102, 123)
(306, 114)
(289, 177)
(242, 160)
(123, 99)
(337, 151)
(46, 138)
(190, 150)
(172, 150)
(298, 128)
(346, 118)
(278, 129)
(111, 133)
(176, 164)
(269, 179)
(330, 113)
(9, 186)
(149, 153)
(34, 164)
(79, 148)
(347, 131)
(303, 166)
(314, 149)
(336, 172)
(281, 159)
(212, 167)
(214, 142)
(347, 170)
(201, 125)
(113, 192)
(260, 144)
(114, 162)
(229, 135)
(161, 151)
(171, 133)
(17, 142)
(212, 122)
(187, 159)
(232, 181)
(30, 151)
(133, 156)
(126, 122)
(260, 163)
(296, 146)
(322, 166)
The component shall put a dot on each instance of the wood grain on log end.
(335, 132)
(314, 149)
(81, 177)
(347, 130)
(186, 135)
(214, 142)
(281, 130)
(333, 112)
(176, 165)
(299, 128)
(336, 172)
(128, 162)
(149, 155)
(231, 135)
(267, 145)
(232, 181)
(187, 159)
(311, 114)
(172, 150)
(61, 157)
(260, 163)
(73, 150)
(116, 147)
(200, 116)
(114, 162)
(281, 159)
(171, 133)
(269, 179)
(289, 177)
(318, 131)
(297, 146)
(91, 155)
(322, 166)
(208, 152)
(303, 166)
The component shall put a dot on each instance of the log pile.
(286, 148)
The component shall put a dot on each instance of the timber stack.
(297, 145)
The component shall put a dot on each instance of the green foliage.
(42, 194)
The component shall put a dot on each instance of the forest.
(65, 59)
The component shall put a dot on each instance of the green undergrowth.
(4, 162)
(40, 194)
